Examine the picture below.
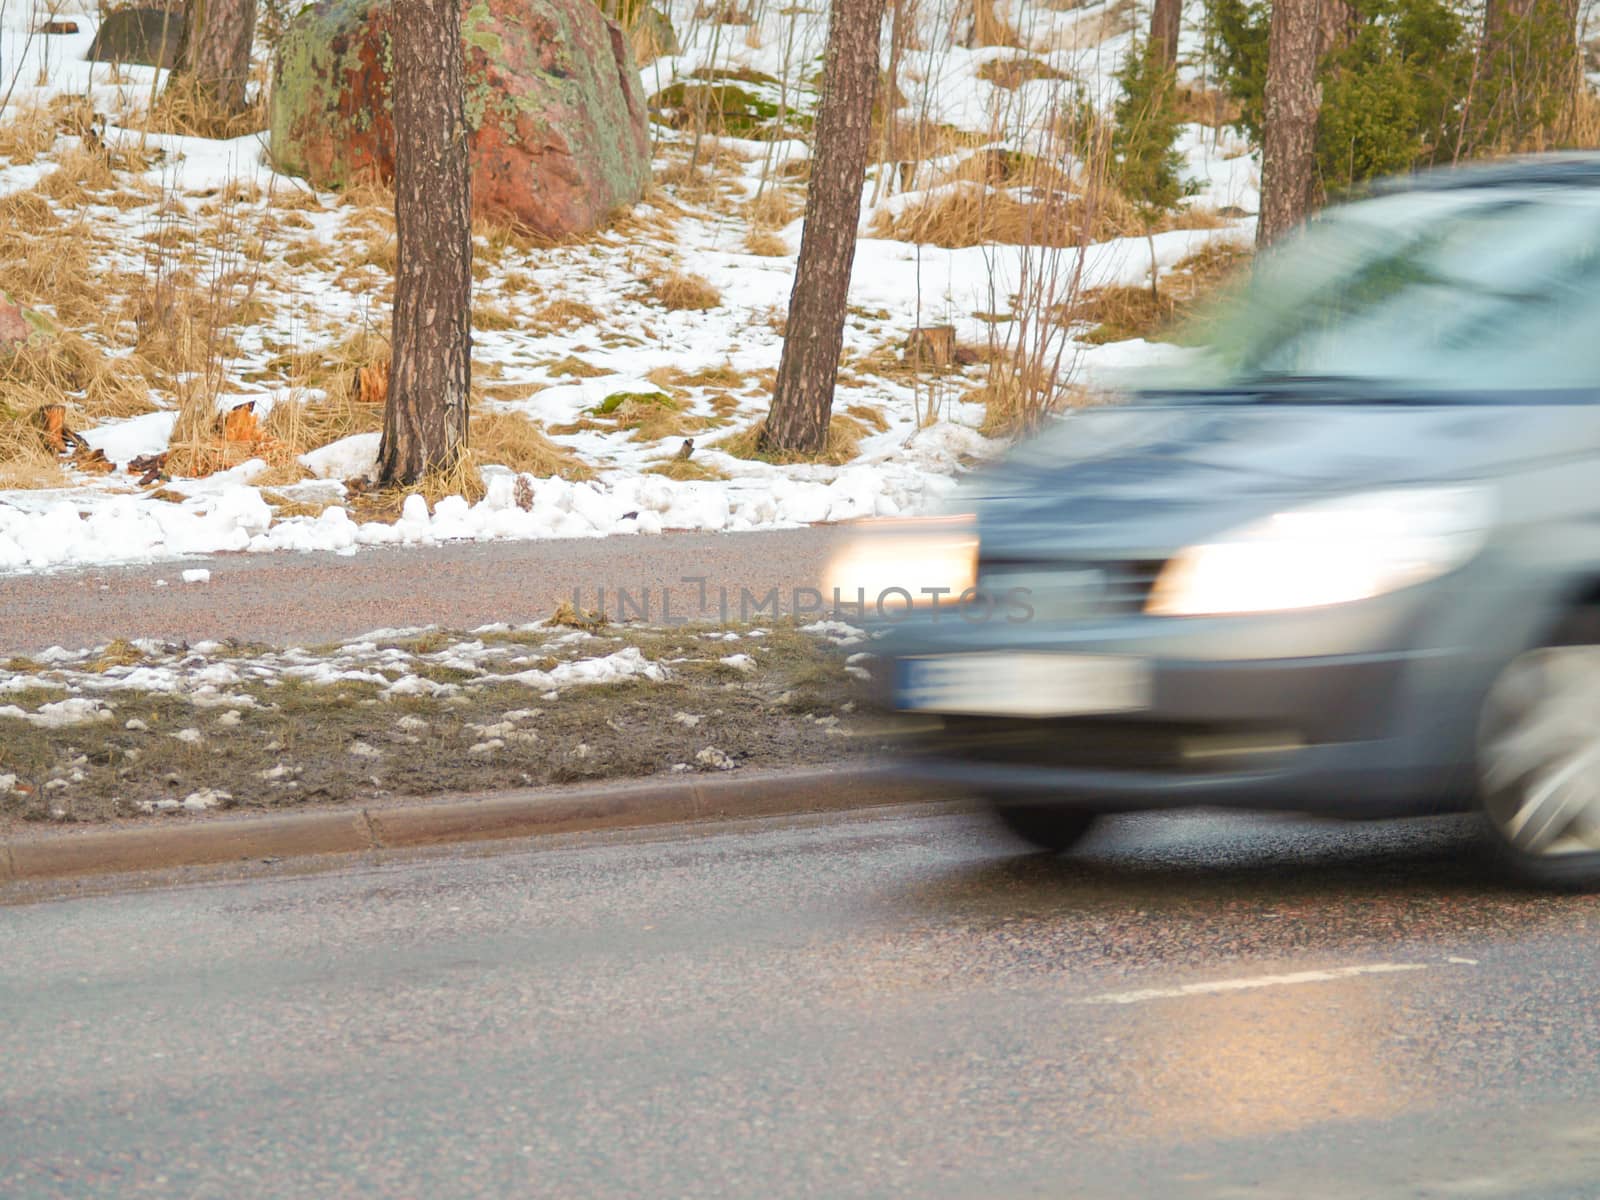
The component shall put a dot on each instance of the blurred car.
(1346, 563)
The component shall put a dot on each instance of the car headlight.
(908, 562)
(1331, 552)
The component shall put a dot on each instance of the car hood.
(1152, 477)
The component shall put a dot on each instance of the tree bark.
(1289, 134)
(1498, 15)
(214, 50)
(1338, 21)
(802, 401)
(1166, 22)
(430, 372)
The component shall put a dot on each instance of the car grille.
(1067, 590)
(1094, 744)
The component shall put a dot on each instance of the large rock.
(145, 37)
(559, 135)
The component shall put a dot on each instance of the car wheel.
(1539, 765)
(1043, 825)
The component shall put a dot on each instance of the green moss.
(735, 75)
(617, 399)
(728, 108)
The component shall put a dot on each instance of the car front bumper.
(1378, 719)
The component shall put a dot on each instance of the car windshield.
(1465, 290)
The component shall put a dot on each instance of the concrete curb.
(660, 801)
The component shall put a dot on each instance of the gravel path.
(310, 598)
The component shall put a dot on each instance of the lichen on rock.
(557, 118)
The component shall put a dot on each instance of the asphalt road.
(311, 598)
(894, 1004)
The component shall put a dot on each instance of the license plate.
(1024, 685)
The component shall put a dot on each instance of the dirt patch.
(721, 699)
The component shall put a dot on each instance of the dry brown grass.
(989, 28)
(1118, 313)
(510, 391)
(311, 252)
(1580, 126)
(573, 367)
(724, 375)
(369, 192)
(28, 131)
(183, 108)
(843, 444)
(509, 439)
(378, 247)
(47, 262)
(694, 184)
(1209, 106)
(1012, 73)
(495, 238)
(999, 168)
(772, 209)
(562, 315)
(645, 36)
(284, 506)
(282, 474)
(681, 291)
(331, 369)
(26, 213)
(491, 318)
(25, 460)
(292, 196)
(686, 469)
(795, 170)
(1017, 395)
(652, 421)
(765, 244)
(648, 416)
(72, 370)
(971, 215)
(462, 478)
(724, 12)
(79, 177)
(870, 417)
(305, 422)
(66, 367)
(918, 139)
(196, 447)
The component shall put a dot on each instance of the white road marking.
(1242, 985)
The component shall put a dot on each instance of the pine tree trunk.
(1289, 135)
(802, 401)
(214, 50)
(425, 418)
(1166, 20)
(1498, 15)
(1339, 22)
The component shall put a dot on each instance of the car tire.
(1044, 826)
(1538, 761)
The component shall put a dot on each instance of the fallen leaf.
(372, 383)
(51, 421)
(240, 425)
(93, 461)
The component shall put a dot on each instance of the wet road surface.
(897, 1003)
(310, 598)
